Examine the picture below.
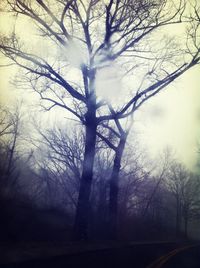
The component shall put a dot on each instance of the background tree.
(61, 156)
(176, 181)
(184, 186)
(9, 136)
(190, 200)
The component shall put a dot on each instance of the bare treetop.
(95, 35)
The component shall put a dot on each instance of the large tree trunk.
(114, 189)
(80, 231)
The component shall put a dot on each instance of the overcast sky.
(170, 119)
(173, 118)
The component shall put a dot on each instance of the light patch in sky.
(73, 54)
(108, 84)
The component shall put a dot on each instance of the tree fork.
(114, 189)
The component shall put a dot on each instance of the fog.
(100, 118)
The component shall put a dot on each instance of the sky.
(171, 118)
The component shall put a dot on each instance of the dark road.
(188, 257)
(149, 255)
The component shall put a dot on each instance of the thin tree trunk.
(178, 217)
(186, 226)
(10, 160)
(80, 230)
(114, 189)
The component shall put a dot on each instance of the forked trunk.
(114, 189)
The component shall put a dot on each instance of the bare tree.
(106, 33)
(190, 200)
(185, 187)
(9, 136)
(58, 163)
(162, 168)
(175, 181)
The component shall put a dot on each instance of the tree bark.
(80, 230)
(114, 189)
